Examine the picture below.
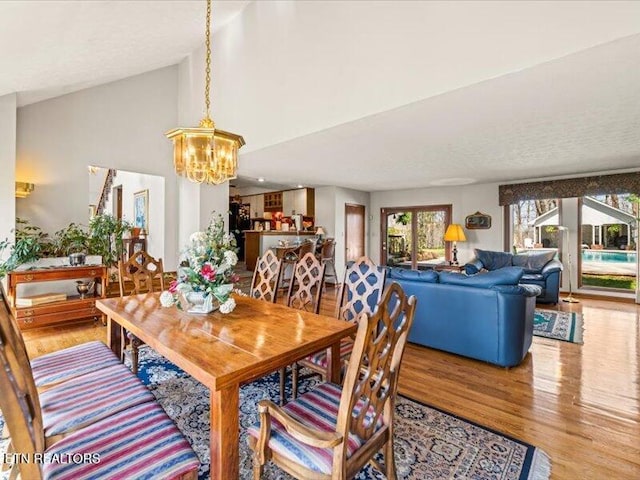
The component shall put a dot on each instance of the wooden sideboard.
(73, 308)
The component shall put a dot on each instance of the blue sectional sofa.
(540, 268)
(488, 317)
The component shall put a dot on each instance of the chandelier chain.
(207, 81)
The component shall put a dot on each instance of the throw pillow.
(503, 276)
(533, 262)
(427, 276)
(493, 260)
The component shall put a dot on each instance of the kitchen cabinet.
(289, 202)
(300, 201)
(256, 202)
(273, 202)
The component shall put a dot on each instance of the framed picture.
(477, 221)
(141, 210)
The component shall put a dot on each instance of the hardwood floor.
(579, 403)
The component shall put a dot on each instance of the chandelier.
(204, 154)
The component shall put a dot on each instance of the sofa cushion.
(503, 276)
(493, 260)
(533, 262)
(428, 276)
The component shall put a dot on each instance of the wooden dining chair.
(332, 431)
(359, 293)
(137, 275)
(77, 402)
(62, 365)
(308, 246)
(305, 293)
(266, 277)
(119, 441)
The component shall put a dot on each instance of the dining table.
(224, 351)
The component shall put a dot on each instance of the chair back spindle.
(369, 389)
(305, 289)
(266, 277)
(19, 400)
(141, 269)
(361, 289)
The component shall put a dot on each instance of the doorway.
(354, 231)
(413, 237)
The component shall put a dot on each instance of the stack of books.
(34, 300)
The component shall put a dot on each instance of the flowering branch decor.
(206, 269)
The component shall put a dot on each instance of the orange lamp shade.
(454, 233)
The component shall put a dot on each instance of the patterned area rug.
(566, 326)
(429, 444)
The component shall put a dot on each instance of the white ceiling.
(49, 48)
(575, 114)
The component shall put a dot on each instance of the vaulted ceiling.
(567, 102)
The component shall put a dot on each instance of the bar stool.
(328, 258)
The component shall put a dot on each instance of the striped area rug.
(565, 326)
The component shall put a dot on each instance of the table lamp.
(320, 232)
(454, 234)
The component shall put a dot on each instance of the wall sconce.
(23, 189)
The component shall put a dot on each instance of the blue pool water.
(608, 257)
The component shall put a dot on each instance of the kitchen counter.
(257, 242)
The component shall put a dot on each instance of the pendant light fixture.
(204, 154)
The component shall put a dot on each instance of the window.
(413, 237)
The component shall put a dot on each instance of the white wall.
(117, 125)
(465, 200)
(7, 167)
(131, 183)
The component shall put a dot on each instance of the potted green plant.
(31, 243)
(72, 241)
(105, 238)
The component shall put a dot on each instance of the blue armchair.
(540, 268)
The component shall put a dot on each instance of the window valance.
(570, 187)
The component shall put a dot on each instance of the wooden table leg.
(334, 363)
(114, 337)
(225, 408)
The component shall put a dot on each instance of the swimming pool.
(608, 256)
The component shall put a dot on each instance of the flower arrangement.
(206, 267)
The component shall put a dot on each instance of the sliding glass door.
(609, 237)
(413, 237)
